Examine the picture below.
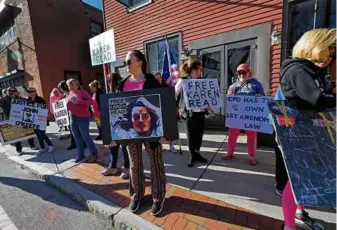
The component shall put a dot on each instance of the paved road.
(33, 205)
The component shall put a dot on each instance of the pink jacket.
(53, 98)
(81, 108)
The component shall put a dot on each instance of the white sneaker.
(51, 149)
(125, 174)
(172, 149)
(34, 148)
(40, 151)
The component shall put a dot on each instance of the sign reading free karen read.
(202, 93)
(102, 48)
(28, 115)
(248, 113)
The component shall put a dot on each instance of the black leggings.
(195, 130)
(281, 175)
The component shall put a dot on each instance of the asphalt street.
(28, 203)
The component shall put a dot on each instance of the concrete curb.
(120, 218)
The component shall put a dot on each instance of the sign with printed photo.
(135, 117)
(28, 115)
(248, 113)
(10, 134)
(202, 93)
(61, 113)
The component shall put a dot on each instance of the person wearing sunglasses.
(303, 86)
(6, 104)
(41, 134)
(246, 85)
(138, 80)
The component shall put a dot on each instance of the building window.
(95, 28)
(73, 74)
(7, 35)
(100, 78)
(155, 52)
(134, 4)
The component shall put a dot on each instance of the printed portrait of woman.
(143, 119)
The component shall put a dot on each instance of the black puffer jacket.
(303, 85)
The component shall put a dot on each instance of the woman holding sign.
(136, 64)
(195, 118)
(246, 85)
(303, 87)
(78, 102)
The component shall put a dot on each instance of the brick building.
(44, 42)
(220, 33)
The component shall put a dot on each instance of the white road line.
(5, 222)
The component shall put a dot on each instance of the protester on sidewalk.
(55, 96)
(112, 169)
(6, 104)
(195, 118)
(96, 91)
(159, 78)
(78, 102)
(246, 85)
(65, 91)
(41, 134)
(139, 80)
(303, 88)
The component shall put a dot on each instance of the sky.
(95, 3)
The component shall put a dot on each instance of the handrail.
(16, 40)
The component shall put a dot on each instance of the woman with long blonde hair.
(303, 85)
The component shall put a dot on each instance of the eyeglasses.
(144, 116)
(242, 72)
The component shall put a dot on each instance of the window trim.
(138, 6)
(98, 23)
(168, 36)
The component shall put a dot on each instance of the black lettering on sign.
(59, 105)
(62, 122)
(30, 110)
(61, 113)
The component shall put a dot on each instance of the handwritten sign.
(202, 93)
(307, 141)
(102, 48)
(10, 134)
(28, 115)
(61, 113)
(248, 113)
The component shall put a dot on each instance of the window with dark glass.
(155, 52)
(7, 34)
(73, 74)
(134, 3)
(95, 28)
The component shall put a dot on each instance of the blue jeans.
(80, 128)
(42, 137)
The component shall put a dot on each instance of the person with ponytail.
(138, 80)
(195, 118)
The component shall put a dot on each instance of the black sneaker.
(304, 221)
(157, 207)
(134, 205)
(191, 162)
(79, 159)
(201, 158)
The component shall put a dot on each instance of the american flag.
(170, 72)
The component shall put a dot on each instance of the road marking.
(5, 222)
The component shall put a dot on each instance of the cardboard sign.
(136, 117)
(28, 115)
(248, 113)
(307, 141)
(139, 116)
(102, 48)
(202, 93)
(61, 113)
(10, 134)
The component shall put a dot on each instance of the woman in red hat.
(246, 85)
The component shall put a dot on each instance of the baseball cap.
(243, 67)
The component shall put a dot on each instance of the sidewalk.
(221, 195)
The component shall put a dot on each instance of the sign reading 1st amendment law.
(248, 113)
(202, 93)
(102, 48)
(61, 113)
(28, 115)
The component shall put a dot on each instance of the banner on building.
(248, 113)
(202, 93)
(10, 134)
(307, 141)
(134, 117)
(28, 115)
(61, 113)
(102, 48)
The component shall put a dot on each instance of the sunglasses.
(242, 72)
(144, 116)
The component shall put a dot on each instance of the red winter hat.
(243, 67)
